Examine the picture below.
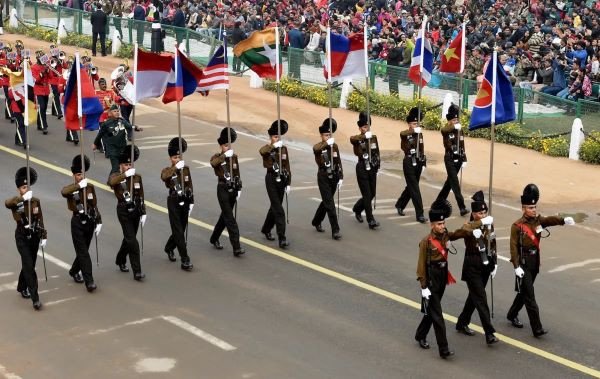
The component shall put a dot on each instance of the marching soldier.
(525, 235)
(54, 79)
(413, 163)
(106, 99)
(277, 180)
(30, 233)
(366, 149)
(229, 189)
(113, 135)
(455, 157)
(329, 177)
(180, 202)
(479, 264)
(41, 90)
(86, 221)
(131, 210)
(17, 108)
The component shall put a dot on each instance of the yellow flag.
(17, 86)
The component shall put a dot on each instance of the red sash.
(438, 245)
(532, 236)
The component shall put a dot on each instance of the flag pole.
(278, 81)
(328, 47)
(80, 115)
(180, 142)
(368, 106)
(420, 106)
(493, 125)
(228, 111)
(135, 72)
(26, 122)
(461, 82)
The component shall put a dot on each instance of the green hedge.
(590, 149)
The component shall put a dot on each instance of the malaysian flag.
(215, 74)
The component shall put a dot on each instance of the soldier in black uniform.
(479, 263)
(113, 136)
(86, 221)
(366, 149)
(412, 165)
(131, 210)
(329, 177)
(30, 233)
(455, 157)
(525, 235)
(180, 202)
(229, 189)
(277, 180)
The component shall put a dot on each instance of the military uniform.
(28, 235)
(276, 180)
(180, 202)
(329, 177)
(229, 187)
(474, 66)
(412, 165)
(131, 211)
(113, 136)
(41, 90)
(454, 158)
(86, 220)
(367, 151)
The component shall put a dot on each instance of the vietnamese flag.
(259, 52)
(454, 56)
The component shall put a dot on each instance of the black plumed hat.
(363, 119)
(125, 156)
(324, 128)
(440, 210)
(173, 147)
(478, 204)
(413, 115)
(453, 112)
(222, 140)
(76, 166)
(531, 195)
(273, 129)
(21, 177)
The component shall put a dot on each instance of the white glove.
(330, 141)
(464, 165)
(425, 292)
(179, 165)
(27, 195)
(569, 221)
(487, 220)
(287, 189)
(229, 153)
(43, 243)
(190, 211)
(278, 144)
(83, 183)
(477, 233)
(417, 129)
(339, 183)
(519, 272)
(143, 220)
(457, 126)
(98, 229)
(238, 195)
(369, 135)
(494, 272)
(130, 172)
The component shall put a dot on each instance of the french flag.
(215, 74)
(151, 73)
(346, 56)
(183, 79)
(80, 100)
(421, 65)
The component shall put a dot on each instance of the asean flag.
(454, 55)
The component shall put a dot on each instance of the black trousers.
(452, 182)
(477, 299)
(72, 135)
(393, 76)
(276, 214)
(367, 183)
(56, 109)
(126, 111)
(434, 314)
(102, 43)
(237, 64)
(527, 297)
(130, 222)
(20, 130)
(412, 175)
(42, 103)
(7, 111)
(82, 235)
(117, 24)
(28, 248)
(140, 33)
(327, 188)
(178, 218)
(227, 203)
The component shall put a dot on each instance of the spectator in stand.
(237, 36)
(139, 14)
(178, 22)
(297, 44)
(99, 22)
(393, 61)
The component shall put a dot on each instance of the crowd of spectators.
(548, 45)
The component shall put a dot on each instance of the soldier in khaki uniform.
(86, 221)
(366, 149)
(131, 210)
(30, 233)
(277, 181)
(178, 180)
(455, 157)
(525, 235)
(329, 177)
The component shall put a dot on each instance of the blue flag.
(481, 117)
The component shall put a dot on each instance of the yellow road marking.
(333, 274)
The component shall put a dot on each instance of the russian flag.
(421, 65)
(80, 100)
(183, 79)
(347, 56)
(151, 73)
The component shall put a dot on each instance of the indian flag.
(259, 53)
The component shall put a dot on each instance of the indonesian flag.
(150, 76)
(453, 59)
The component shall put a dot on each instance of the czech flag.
(421, 65)
(495, 102)
(183, 80)
(347, 56)
(80, 100)
(453, 59)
